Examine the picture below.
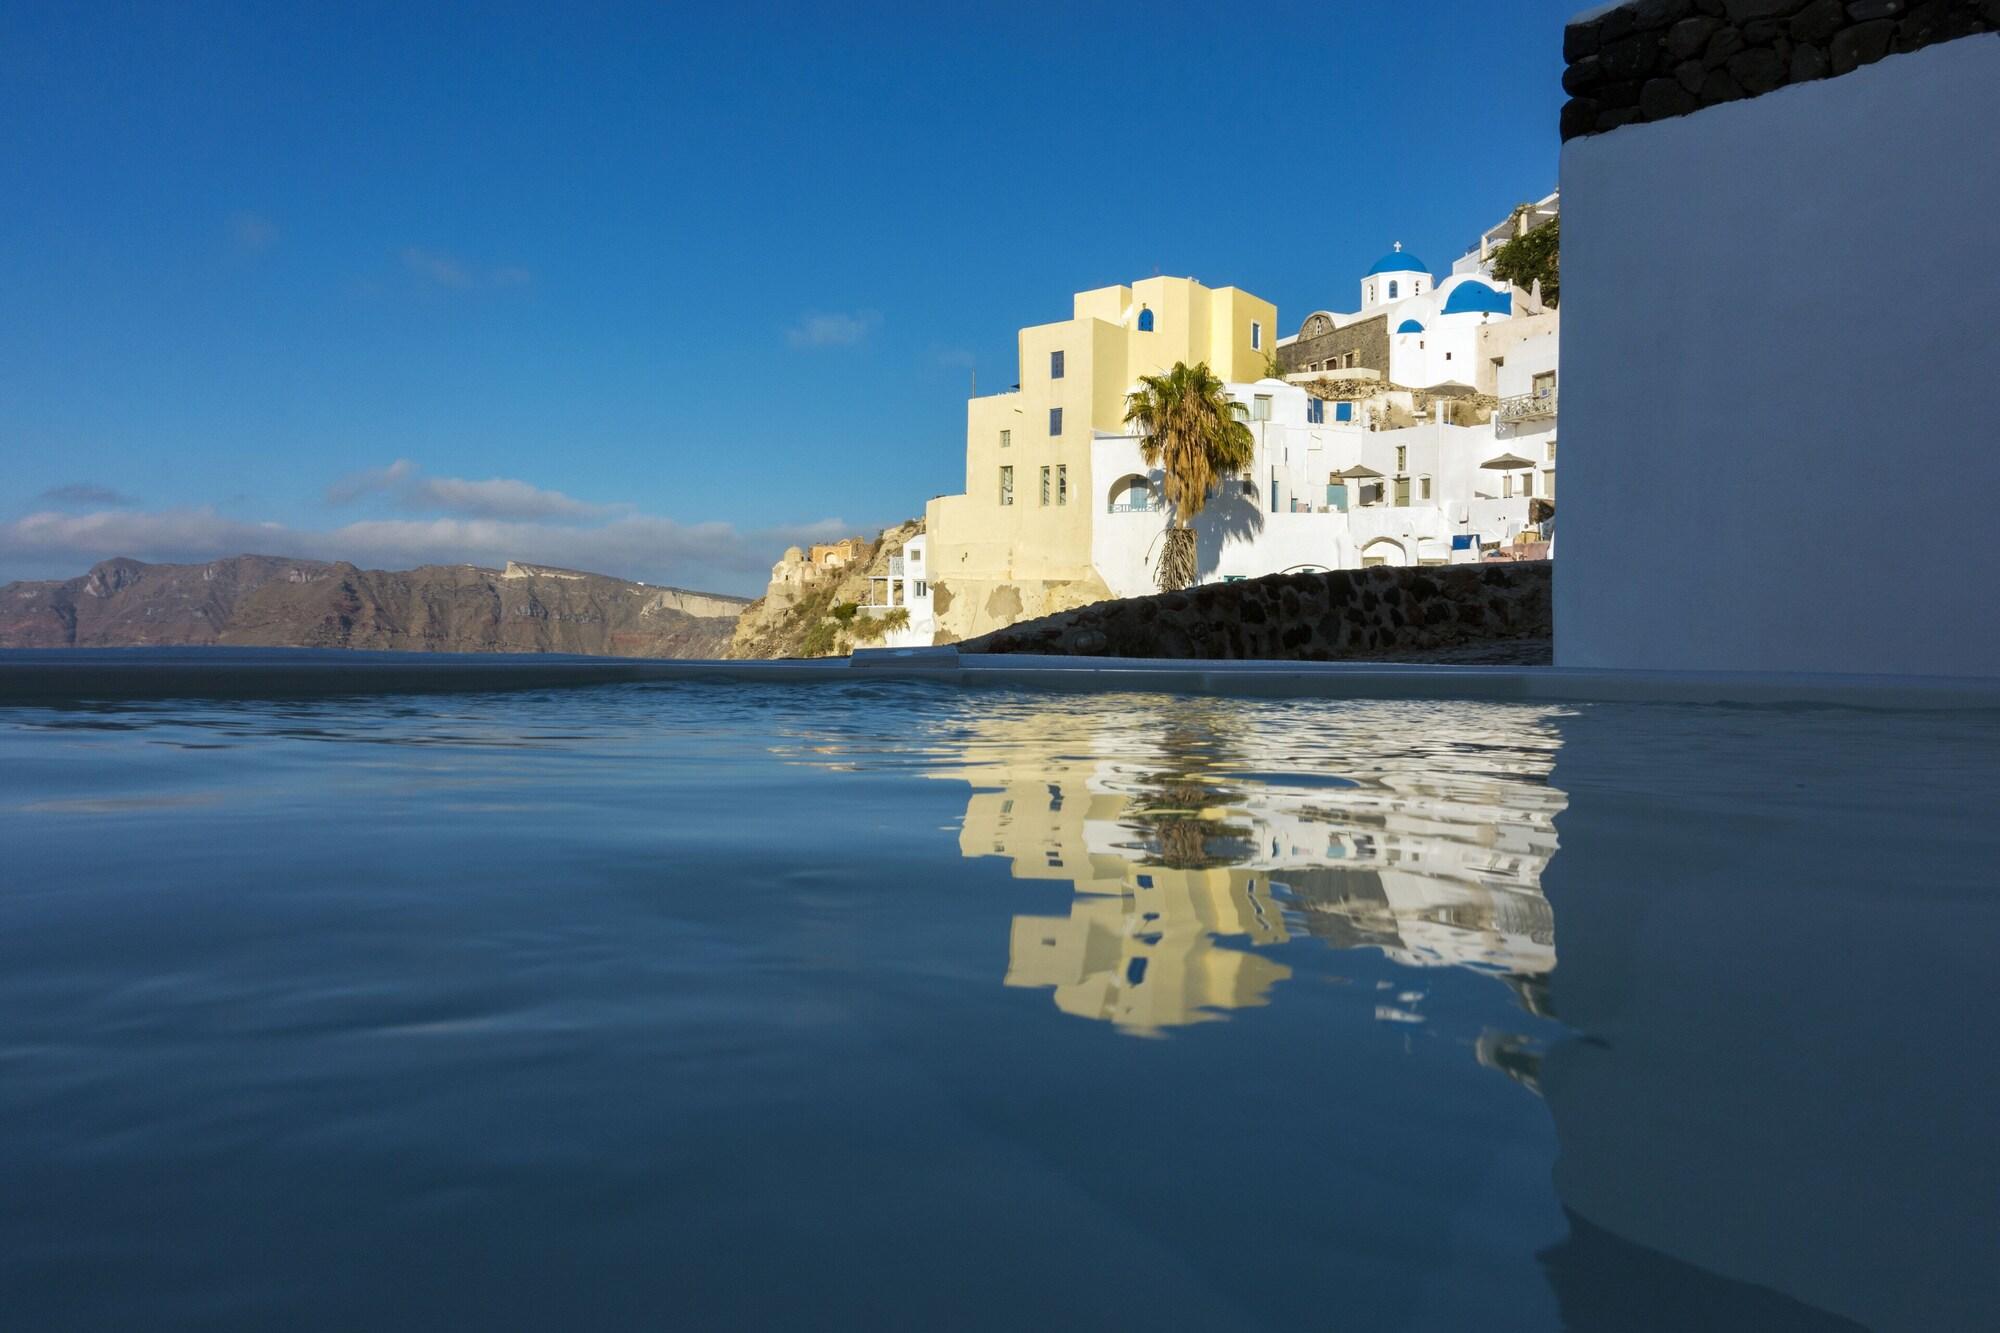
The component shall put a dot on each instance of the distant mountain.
(268, 601)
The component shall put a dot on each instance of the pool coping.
(42, 676)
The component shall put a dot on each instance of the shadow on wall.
(1237, 515)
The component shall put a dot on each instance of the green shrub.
(819, 640)
(845, 612)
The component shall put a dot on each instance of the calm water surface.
(857, 1007)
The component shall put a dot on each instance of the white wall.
(1241, 535)
(1771, 306)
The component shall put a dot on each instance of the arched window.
(1392, 289)
(1145, 319)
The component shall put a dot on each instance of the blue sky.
(658, 288)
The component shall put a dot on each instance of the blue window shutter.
(1055, 421)
(1055, 365)
(1145, 321)
(1343, 411)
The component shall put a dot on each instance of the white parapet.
(1779, 342)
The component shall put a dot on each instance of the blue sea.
(849, 1006)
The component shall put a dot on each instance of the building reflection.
(1195, 850)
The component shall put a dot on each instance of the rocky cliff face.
(267, 601)
(805, 622)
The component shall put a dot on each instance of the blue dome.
(1397, 261)
(1409, 326)
(1474, 297)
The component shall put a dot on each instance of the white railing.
(895, 566)
(1528, 406)
(1134, 507)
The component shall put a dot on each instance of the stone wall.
(1463, 613)
(1369, 338)
(1656, 59)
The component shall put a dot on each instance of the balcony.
(895, 566)
(1528, 406)
(1135, 507)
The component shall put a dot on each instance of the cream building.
(1188, 873)
(1017, 543)
(1060, 509)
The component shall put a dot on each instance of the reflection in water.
(1400, 827)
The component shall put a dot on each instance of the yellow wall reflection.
(1195, 844)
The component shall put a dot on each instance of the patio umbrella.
(1508, 463)
(1358, 472)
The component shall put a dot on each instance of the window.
(1527, 483)
(1062, 483)
(1006, 438)
(1552, 451)
(1544, 383)
(1423, 488)
(1402, 492)
(1402, 457)
(1371, 293)
(1256, 335)
(1055, 365)
(1241, 411)
(1055, 418)
(1315, 411)
(1006, 486)
(1548, 483)
(1392, 289)
(1447, 356)
(1260, 407)
(1045, 488)
(1343, 411)
(1145, 319)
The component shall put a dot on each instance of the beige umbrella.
(1508, 463)
(1358, 472)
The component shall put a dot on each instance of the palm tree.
(1187, 428)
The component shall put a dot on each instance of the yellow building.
(1017, 544)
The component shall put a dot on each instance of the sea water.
(689, 1006)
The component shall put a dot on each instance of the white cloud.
(253, 232)
(369, 482)
(443, 270)
(499, 497)
(431, 266)
(710, 556)
(834, 329)
(496, 497)
(80, 493)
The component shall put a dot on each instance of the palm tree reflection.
(1195, 845)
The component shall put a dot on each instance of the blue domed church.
(1412, 329)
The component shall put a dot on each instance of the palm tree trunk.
(1177, 558)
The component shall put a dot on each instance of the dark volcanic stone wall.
(1369, 338)
(1378, 613)
(1656, 59)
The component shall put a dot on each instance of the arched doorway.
(1383, 551)
(1131, 494)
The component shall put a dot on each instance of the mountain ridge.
(278, 601)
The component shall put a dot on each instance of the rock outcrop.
(1497, 613)
(807, 611)
(268, 601)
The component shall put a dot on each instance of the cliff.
(268, 601)
(807, 611)
(1467, 614)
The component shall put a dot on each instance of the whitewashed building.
(1322, 492)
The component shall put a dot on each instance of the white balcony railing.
(895, 566)
(1528, 406)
